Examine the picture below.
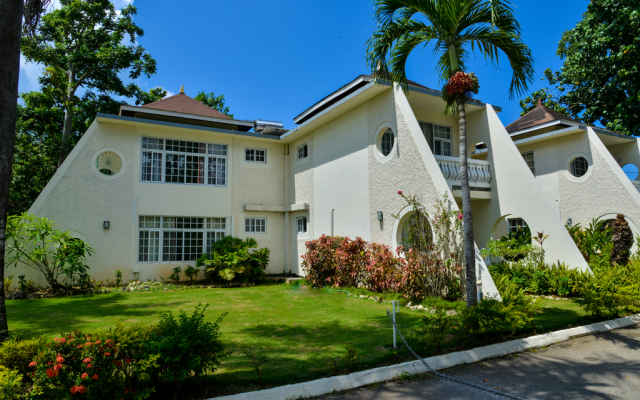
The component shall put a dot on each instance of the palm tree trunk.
(10, 33)
(469, 242)
(68, 116)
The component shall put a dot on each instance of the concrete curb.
(358, 379)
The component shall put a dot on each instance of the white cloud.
(118, 4)
(29, 74)
(169, 94)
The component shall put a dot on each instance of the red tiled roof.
(538, 116)
(181, 103)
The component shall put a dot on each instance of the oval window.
(579, 167)
(387, 142)
(109, 163)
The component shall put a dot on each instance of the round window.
(109, 163)
(631, 171)
(579, 167)
(386, 145)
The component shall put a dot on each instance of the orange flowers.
(59, 359)
(57, 367)
(51, 373)
(107, 354)
(84, 376)
(33, 364)
(78, 389)
(95, 377)
(86, 360)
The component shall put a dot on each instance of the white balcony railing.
(478, 170)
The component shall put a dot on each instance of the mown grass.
(302, 331)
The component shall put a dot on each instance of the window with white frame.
(301, 223)
(255, 155)
(387, 142)
(255, 225)
(438, 137)
(528, 158)
(177, 238)
(303, 152)
(515, 224)
(180, 161)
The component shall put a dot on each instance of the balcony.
(479, 176)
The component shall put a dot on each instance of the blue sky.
(272, 60)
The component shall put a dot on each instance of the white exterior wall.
(515, 192)
(79, 198)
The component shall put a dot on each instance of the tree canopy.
(600, 79)
(82, 45)
(213, 101)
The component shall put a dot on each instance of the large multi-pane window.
(181, 161)
(177, 238)
(528, 158)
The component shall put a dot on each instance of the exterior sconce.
(105, 224)
(379, 215)
(569, 221)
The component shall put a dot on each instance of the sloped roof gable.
(538, 116)
(181, 103)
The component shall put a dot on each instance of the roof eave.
(226, 121)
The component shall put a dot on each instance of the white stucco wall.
(516, 192)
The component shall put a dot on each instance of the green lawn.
(301, 330)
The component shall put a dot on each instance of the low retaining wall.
(376, 375)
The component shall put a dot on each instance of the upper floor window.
(387, 142)
(255, 225)
(301, 223)
(255, 155)
(579, 167)
(181, 161)
(438, 137)
(303, 152)
(528, 158)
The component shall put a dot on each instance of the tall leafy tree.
(155, 94)
(213, 101)
(82, 45)
(456, 28)
(38, 134)
(12, 15)
(600, 76)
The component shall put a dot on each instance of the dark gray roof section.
(187, 126)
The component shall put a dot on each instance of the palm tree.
(457, 27)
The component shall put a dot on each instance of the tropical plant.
(231, 258)
(81, 46)
(33, 241)
(484, 25)
(512, 247)
(118, 274)
(594, 241)
(622, 239)
(191, 273)
(175, 275)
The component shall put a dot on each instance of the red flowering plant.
(383, 273)
(319, 262)
(460, 84)
(87, 366)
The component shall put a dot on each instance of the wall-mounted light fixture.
(105, 224)
(380, 216)
(569, 221)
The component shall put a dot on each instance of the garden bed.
(304, 333)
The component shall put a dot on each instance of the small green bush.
(191, 273)
(435, 327)
(7, 283)
(175, 276)
(16, 354)
(231, 259)
(10, 384)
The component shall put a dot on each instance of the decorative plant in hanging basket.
(460, 83)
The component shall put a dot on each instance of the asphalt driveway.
(602, 366)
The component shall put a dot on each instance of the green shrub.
(231, 259)
(7, 283)
(10, 384)
(16, 354)
(187, 345)
(118, 274)
(435, 327)
(191, 273)
(175, 275)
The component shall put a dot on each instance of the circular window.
(109, 163)
(579, 167)
(388, 140)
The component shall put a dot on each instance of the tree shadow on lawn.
(555, 318)
(302, 353)
(86, 313)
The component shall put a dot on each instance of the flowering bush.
(320, 262)
(98, 366)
